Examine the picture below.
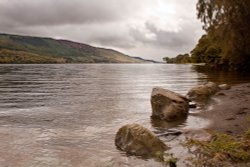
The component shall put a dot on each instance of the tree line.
(226, 44)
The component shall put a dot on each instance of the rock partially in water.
(137, 140)
(224, 86)
(200, 134)
(213, 87)
(168, 105)
(203, 92)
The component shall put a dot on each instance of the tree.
(207, 50)
(168, 60)
(179, 59)
(227, 23)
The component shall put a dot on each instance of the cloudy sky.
(150, 29)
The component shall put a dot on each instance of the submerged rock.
(203, 92)
(137, 140)
(168, 105)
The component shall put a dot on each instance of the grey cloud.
(58, 12)
(171, 39)
(107, 35)
(115, 41)
(126, 25)
(182, 40)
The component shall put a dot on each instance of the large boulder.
(137, 140)
(203, 92)
(168, 105)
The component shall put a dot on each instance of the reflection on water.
(221, 77)
(67, 115)
(161, 124)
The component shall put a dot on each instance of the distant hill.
(26, 49)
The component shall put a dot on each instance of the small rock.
(224, 86)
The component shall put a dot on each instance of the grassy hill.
(26, 49)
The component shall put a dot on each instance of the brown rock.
(213, 87)
(224, 86)
(168, 105)
(137, 140)
(203, 92)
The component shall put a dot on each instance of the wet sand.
(231, 113)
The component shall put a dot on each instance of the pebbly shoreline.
(231, 113)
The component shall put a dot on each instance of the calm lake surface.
(68, 115)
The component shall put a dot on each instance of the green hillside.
(25, 49)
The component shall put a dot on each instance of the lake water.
(68, 115)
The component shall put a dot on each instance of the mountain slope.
(25, 49)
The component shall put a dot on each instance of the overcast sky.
(150, 29)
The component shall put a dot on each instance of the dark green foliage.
(24, 49)
(226, 45)
(180, 59)
(208, 51)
